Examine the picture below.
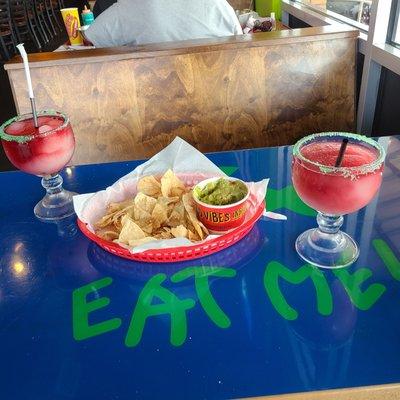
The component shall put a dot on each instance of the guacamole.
(222, 192)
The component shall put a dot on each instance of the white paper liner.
(179, 156)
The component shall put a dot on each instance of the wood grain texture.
(216, 100)
(280, 26)
(241, 4)
(260, 39)
(378, 392)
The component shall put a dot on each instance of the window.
(355, 12)
(396, 38)
(396, 27)
(379, 43)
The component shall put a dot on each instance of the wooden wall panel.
(216, 100)
(241, 4)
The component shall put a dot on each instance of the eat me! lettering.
(155, 299)
(168, 304)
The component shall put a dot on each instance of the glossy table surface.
(79, 323)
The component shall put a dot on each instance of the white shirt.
(130, 22)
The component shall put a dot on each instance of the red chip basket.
(183, 253)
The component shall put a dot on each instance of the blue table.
(79, 323)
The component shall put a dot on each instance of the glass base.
(55, 206)
(327, 250)
(57, 203)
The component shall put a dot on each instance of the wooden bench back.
(222, 94)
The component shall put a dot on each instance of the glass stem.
(329, 223)
(52, 183)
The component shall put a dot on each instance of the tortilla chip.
(179, 231)
(109, 233)
(117, 223)
(145, 203)
(114, 207)
(168, 201)
(114, 211)
(192, 236)
(146, 226)
(166, 235)
(159, 215)
(163, 233)
(188, 203)
(106, 220)
(171, 185)
(130, 231)
(177, 216)
(159, 211)
(143, 219)
(121, 213)
(149, 186)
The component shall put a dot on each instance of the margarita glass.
(42, 151)
(334, 191)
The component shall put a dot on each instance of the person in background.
(130, 22)
(101, 6)
(80, 4)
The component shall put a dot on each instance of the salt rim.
(27, 138)
(345, 171)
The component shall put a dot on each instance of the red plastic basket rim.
(229, 237)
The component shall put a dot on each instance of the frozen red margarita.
(335, 173)
(336, 191)
(40, 151)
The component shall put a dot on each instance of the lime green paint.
(287, 198)
(274, 271)
(204, 294)
(229, 170)
(170, 304)
(391, 262)
(352, 283)
(167, 303)
(265, 7)
(81, 309)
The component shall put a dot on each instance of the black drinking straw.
(341, 152)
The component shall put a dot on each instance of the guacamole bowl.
(221, 202)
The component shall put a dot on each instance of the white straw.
(24, 56)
